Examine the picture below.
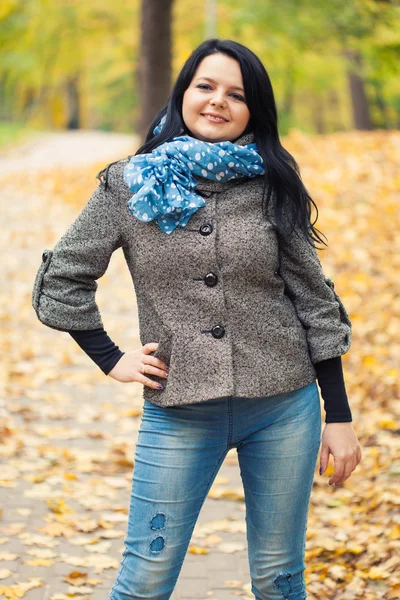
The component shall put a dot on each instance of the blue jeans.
(178, 454)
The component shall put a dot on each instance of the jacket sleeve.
(64, 289)
(318, 306)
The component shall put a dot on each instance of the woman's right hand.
(130, 365)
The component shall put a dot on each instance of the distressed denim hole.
(158, 522)
(157, 545)
(283, 583)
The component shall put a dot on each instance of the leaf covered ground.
(67, 432)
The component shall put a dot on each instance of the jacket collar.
(207, 185)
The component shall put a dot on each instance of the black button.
(206, 229)
(45, 255)
(218, 331)
(211, 279)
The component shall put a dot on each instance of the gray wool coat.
(236, 309)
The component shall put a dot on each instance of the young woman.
(236, 317)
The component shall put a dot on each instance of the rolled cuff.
(63, 315)
(334, 336)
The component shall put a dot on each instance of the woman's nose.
(218, 99)
(217, 102)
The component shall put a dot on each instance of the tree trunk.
(381, 105)
(154, 70)
(73, 104)
(318, 115)
(335, 121)
(288, 94)
(359, 100)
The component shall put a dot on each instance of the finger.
(147, 381)
(348, 465)
(347, 472)
(156, 362)
(150, 347)
(151, 370)
(324, 458)
(338, 470)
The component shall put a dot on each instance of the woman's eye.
(236, 96)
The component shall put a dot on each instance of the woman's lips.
(215, 119)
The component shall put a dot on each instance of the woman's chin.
(211, 136)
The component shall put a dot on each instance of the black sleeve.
(333, 390)
(98, 346)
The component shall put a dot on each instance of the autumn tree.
(154, 69)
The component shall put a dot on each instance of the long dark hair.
(282, 180)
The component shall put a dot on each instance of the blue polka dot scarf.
(163, 181)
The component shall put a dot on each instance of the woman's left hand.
(341, 441)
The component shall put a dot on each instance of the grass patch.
(15, 132)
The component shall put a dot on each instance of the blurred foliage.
(52, 49)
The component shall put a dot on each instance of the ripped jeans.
(180, 450)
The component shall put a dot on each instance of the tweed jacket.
(236, 309)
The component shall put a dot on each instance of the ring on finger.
(142, 369)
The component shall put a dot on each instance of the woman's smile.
(212, 119)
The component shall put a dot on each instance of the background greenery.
(72, 65)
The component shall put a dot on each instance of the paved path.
(68, 431)
(69, 149)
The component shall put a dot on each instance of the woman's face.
(216, 87)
